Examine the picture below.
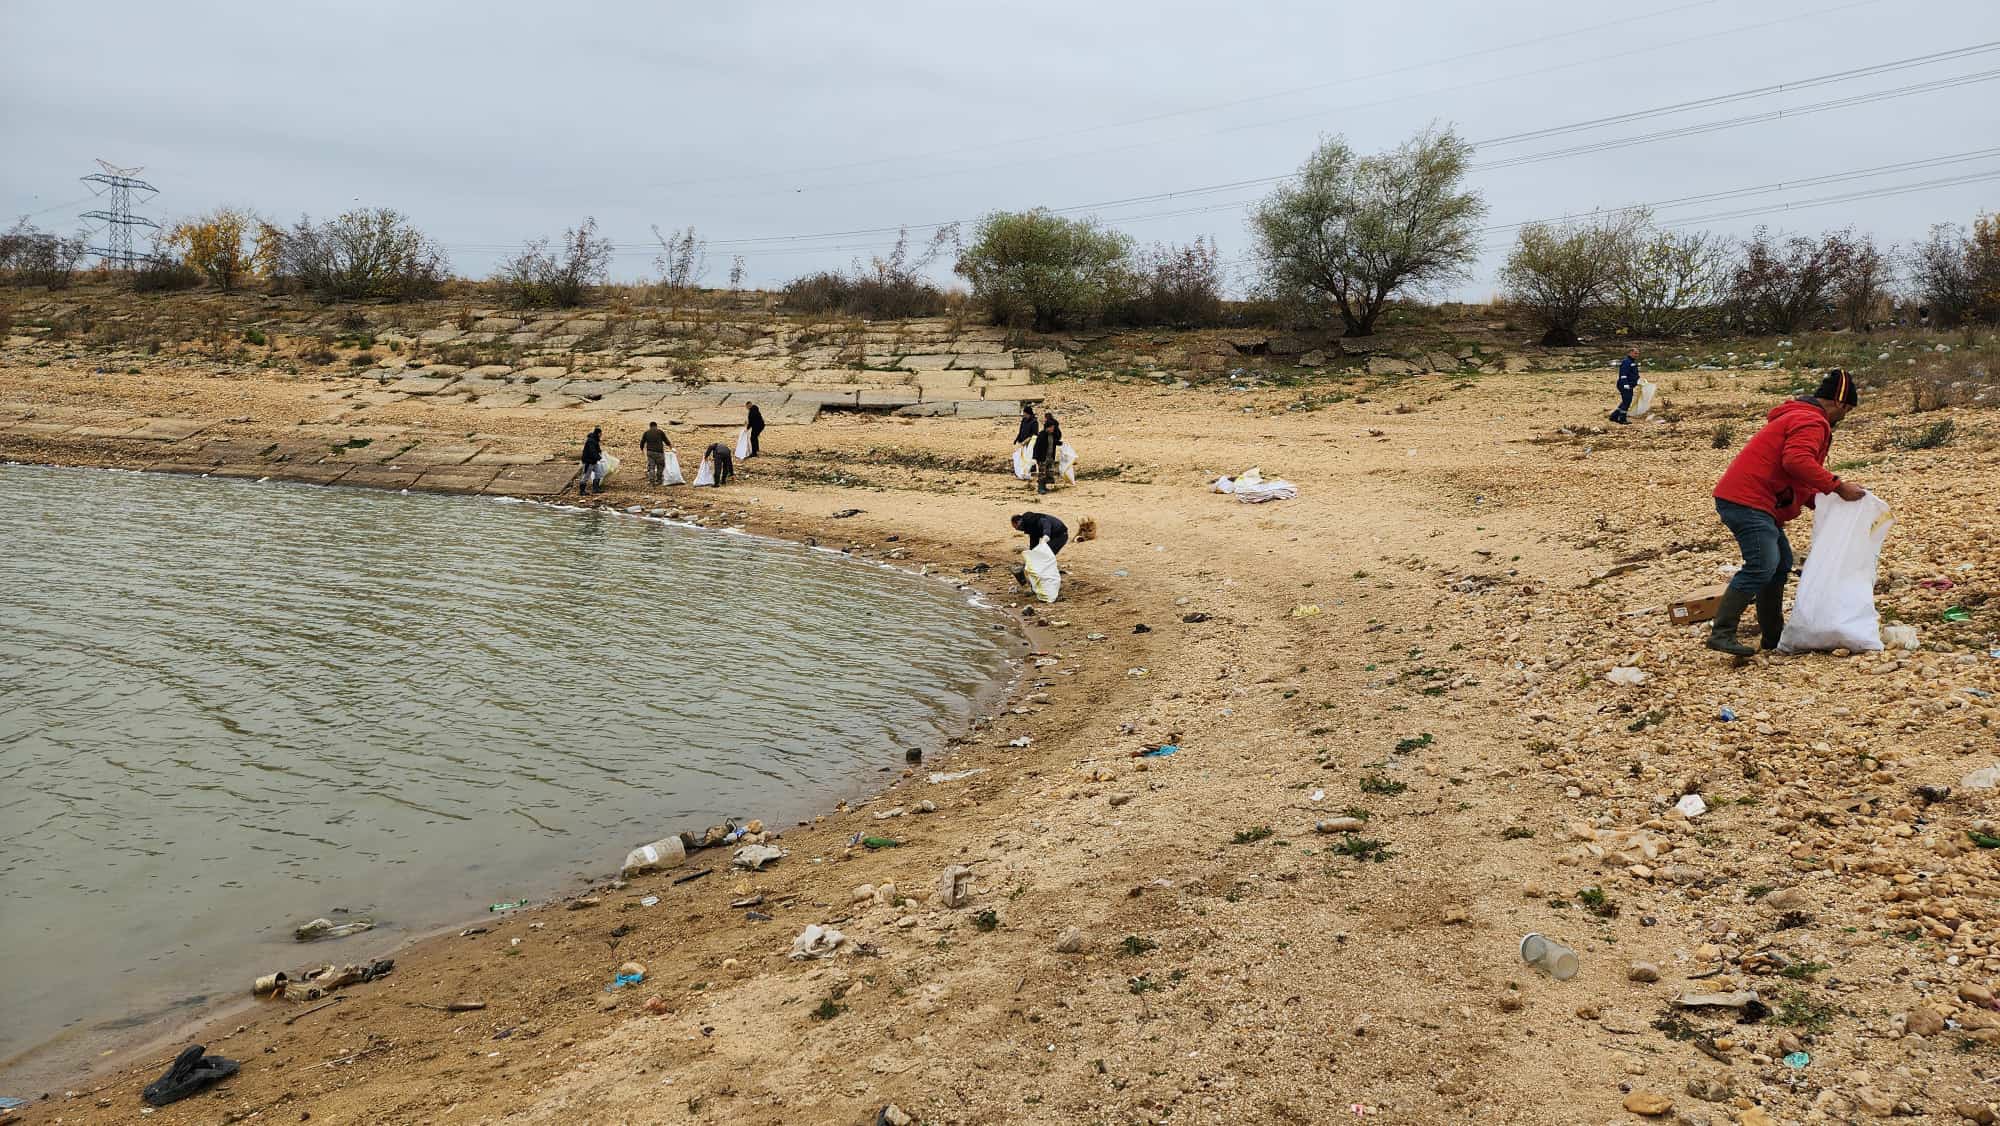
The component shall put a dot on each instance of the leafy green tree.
(1675, 282)
(1040, 267)
(1352, 232)
(1562, 273)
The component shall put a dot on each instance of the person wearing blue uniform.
(1628, 384)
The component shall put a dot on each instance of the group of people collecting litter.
(1779, 472)
(663, 465)
(1040, 454)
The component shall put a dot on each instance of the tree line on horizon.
(1333, 247)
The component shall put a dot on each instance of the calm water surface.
(229, 707)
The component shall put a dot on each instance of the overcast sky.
(495, 121)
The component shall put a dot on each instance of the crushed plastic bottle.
(1549, 956)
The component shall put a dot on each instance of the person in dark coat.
(1039, 526)
(1048, 448)
(724, 462)
(1772, 478)
(656, 444)
(1028, 428)
(593, 462)
(1628, 384)
(756, 425)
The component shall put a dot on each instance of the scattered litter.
(1023, 741)
(754, 857)
(878, 842)
(1340, 825)
(1195, 618)
(1161, 751)
(1937, 584)
(689, 878)
(747, 901)
(268, 984)
(1691, 806)
(846, 512)
(508, 906)
(1797, 1061)
(1317, 796)
(326, 928)
(1901, 637)
(1549, 956)
(1726, 715)
(650, 901)
(1957, 614)
(1306, 610)
(1137, 671)
(1740, 999)
(1250, 487)
(1626, 675)
(191, 1073)
(816, 942)
(621, 980)
(955, 886)
(755, 917)
(938, 777)
(667, 852)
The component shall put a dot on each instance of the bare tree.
(682, 260)
(1943, 277)
(536, 276)
(736, 272)
(1784, 284)
(1563, 273)
(1675, 282)
(372, 252)
(1865, 282)
(1354, 232)
(31, 256)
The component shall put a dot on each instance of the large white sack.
(1043, 576)
(1835, 607)
(1066, 463)
(670, 470)
(743, 443)
(706, 474)
(609, 463)
(1643, 401)
(1024, 463)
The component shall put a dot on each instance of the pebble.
(1923, 1021)
(1070, 942)
(1648, 1103)
(1644, 972)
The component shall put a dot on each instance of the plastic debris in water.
(508, 906)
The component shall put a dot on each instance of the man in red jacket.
(1776, 474)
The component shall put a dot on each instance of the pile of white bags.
(1044, 578)
(1835, 607)
(1024, 463)
(1066, 463)
(743, 443)
(706, 474)
(670, 470)
(1251, 488)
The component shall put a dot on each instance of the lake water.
(229, 707)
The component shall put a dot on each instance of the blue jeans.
(1767, 554)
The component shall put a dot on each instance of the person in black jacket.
(593, 462)
(1039, 526)
(1028, 427)
(724, 462)
(756, 425)
(1048, 448)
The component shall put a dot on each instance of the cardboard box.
(1696, 606)
(1701, 607)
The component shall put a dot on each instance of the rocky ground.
(1412, 656)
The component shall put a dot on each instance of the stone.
(1976, 994)
(1313, 359)
(1755, 1116)
(893, 1115)
(1923, 1021)
(1873, 1103)
(1070, 942)
(1645, 972)
(955, 886)
(1389, 365)
(1648, 1103)
(1044, 362)
(1982, 1113)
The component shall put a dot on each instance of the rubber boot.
(1722, 632)
(1771, 615)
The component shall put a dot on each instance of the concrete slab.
(792, 414)
(311, 474)
(458, 479)
(489, 371)
(542, 371)
(37, 429)
(1013, 394)
(169, 429)
(983, 408)
(717, 416)
(380, 477)
(502, 399)
(438, 454)
(887, 397)
(630, 400)
(1017, 377)
(103, 430)
(500, 457)
(983, 361)
(543, 480)
(591, 389)
(298, 451)
(423, 384)
(250, 472)
(925, 363)
(185, 467)
(827, 396)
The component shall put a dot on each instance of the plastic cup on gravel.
(1549, 956)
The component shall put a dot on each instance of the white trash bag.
(1643, 401)
(706, 474)
(1835, 607)
(1252, 488)
(743, 443)
(1066, 463)
(1024, 463)
(1044, 577)
(609, 462)
(670, 470)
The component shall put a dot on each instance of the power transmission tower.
(115, 186)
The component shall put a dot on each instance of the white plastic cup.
(1549, 956)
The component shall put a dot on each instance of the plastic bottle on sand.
(667, 852)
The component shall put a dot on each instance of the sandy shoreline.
(1419, 641)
